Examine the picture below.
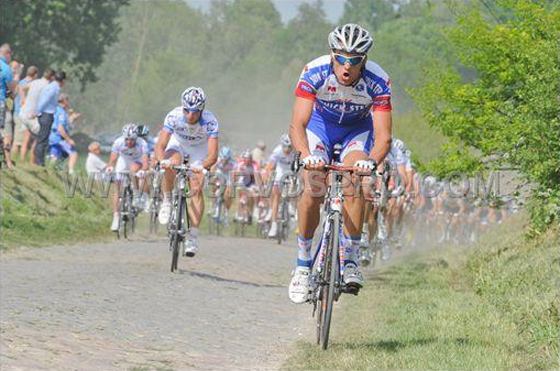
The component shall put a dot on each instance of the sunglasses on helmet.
(353, 60)
(191, 110)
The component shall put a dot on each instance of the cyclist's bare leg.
(134, 167)
(372, 222)
(353, 214)
(228, 199)
(196, 209)
(314, 189)
(115, 198)
(275, 201)
(169, 175)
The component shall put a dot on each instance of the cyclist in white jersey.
(338, 98)
(409, 164)
(129, 153)
(279, 162)
(188, 131)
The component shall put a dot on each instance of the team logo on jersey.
(212, 127)
(320, 147)
(359, 87)
(331, 89)
(352, 144)
(306, 87)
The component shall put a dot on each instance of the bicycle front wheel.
(332, 275)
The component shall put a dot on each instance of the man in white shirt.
(94, 164)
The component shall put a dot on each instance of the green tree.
(69, 34)
(371, 14)
(509, 109)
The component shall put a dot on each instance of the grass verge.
(36, 210)
(491, 307)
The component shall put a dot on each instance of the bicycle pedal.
(351, 289)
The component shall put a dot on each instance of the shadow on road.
(229, 280)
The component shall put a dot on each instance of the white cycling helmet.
(130, 131)
(285, 140)
(246, 154)
(350, 38)
(193, 98)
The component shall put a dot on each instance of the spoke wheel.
(330, 275)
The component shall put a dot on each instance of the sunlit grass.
(493, 307)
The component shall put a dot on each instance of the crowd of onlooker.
(34, 114)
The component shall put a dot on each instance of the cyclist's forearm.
(299, 139)
(112, 160)
(303, 108)
(209, 161)
(382, 128)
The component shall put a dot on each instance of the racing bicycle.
(328, 260)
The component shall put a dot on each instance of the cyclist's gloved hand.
(313, 161)
(365, 166)
(109, 169)
(197, 168)
(165, 163)
(397, 191)
(141, 173)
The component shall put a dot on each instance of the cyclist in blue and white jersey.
(128, 153)
(279, 162)
(339, 97)
(188, 131)
(221, 171)
(409, 165)
(144, 133)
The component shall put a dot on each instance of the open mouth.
(346, 74)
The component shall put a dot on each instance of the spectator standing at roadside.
(94, 164)
(28, 112)
(60, 143)
(6, 85)
(21, 133)
(46, 108)
(258, 153)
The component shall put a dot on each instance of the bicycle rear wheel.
(153, 221)
(331, 274)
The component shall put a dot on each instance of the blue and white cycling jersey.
(395, 156)
(191, 135)
(282, 161)
(130, 153)
(402, 147)
(340, 104)
(151, 143)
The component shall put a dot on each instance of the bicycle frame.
(180, 213)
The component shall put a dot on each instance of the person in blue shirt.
(6, 85)
(60, 143)
(46, 109)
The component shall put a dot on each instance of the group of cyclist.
(342, 114)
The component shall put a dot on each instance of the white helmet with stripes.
(130, 131)
(351, 38)
(193, 98)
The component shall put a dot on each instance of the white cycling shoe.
(164, 212)
(300, 286)
(192, 247)
(273, 230)
(353, 276)
(115, 223)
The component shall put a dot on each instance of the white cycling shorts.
(196, 154)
